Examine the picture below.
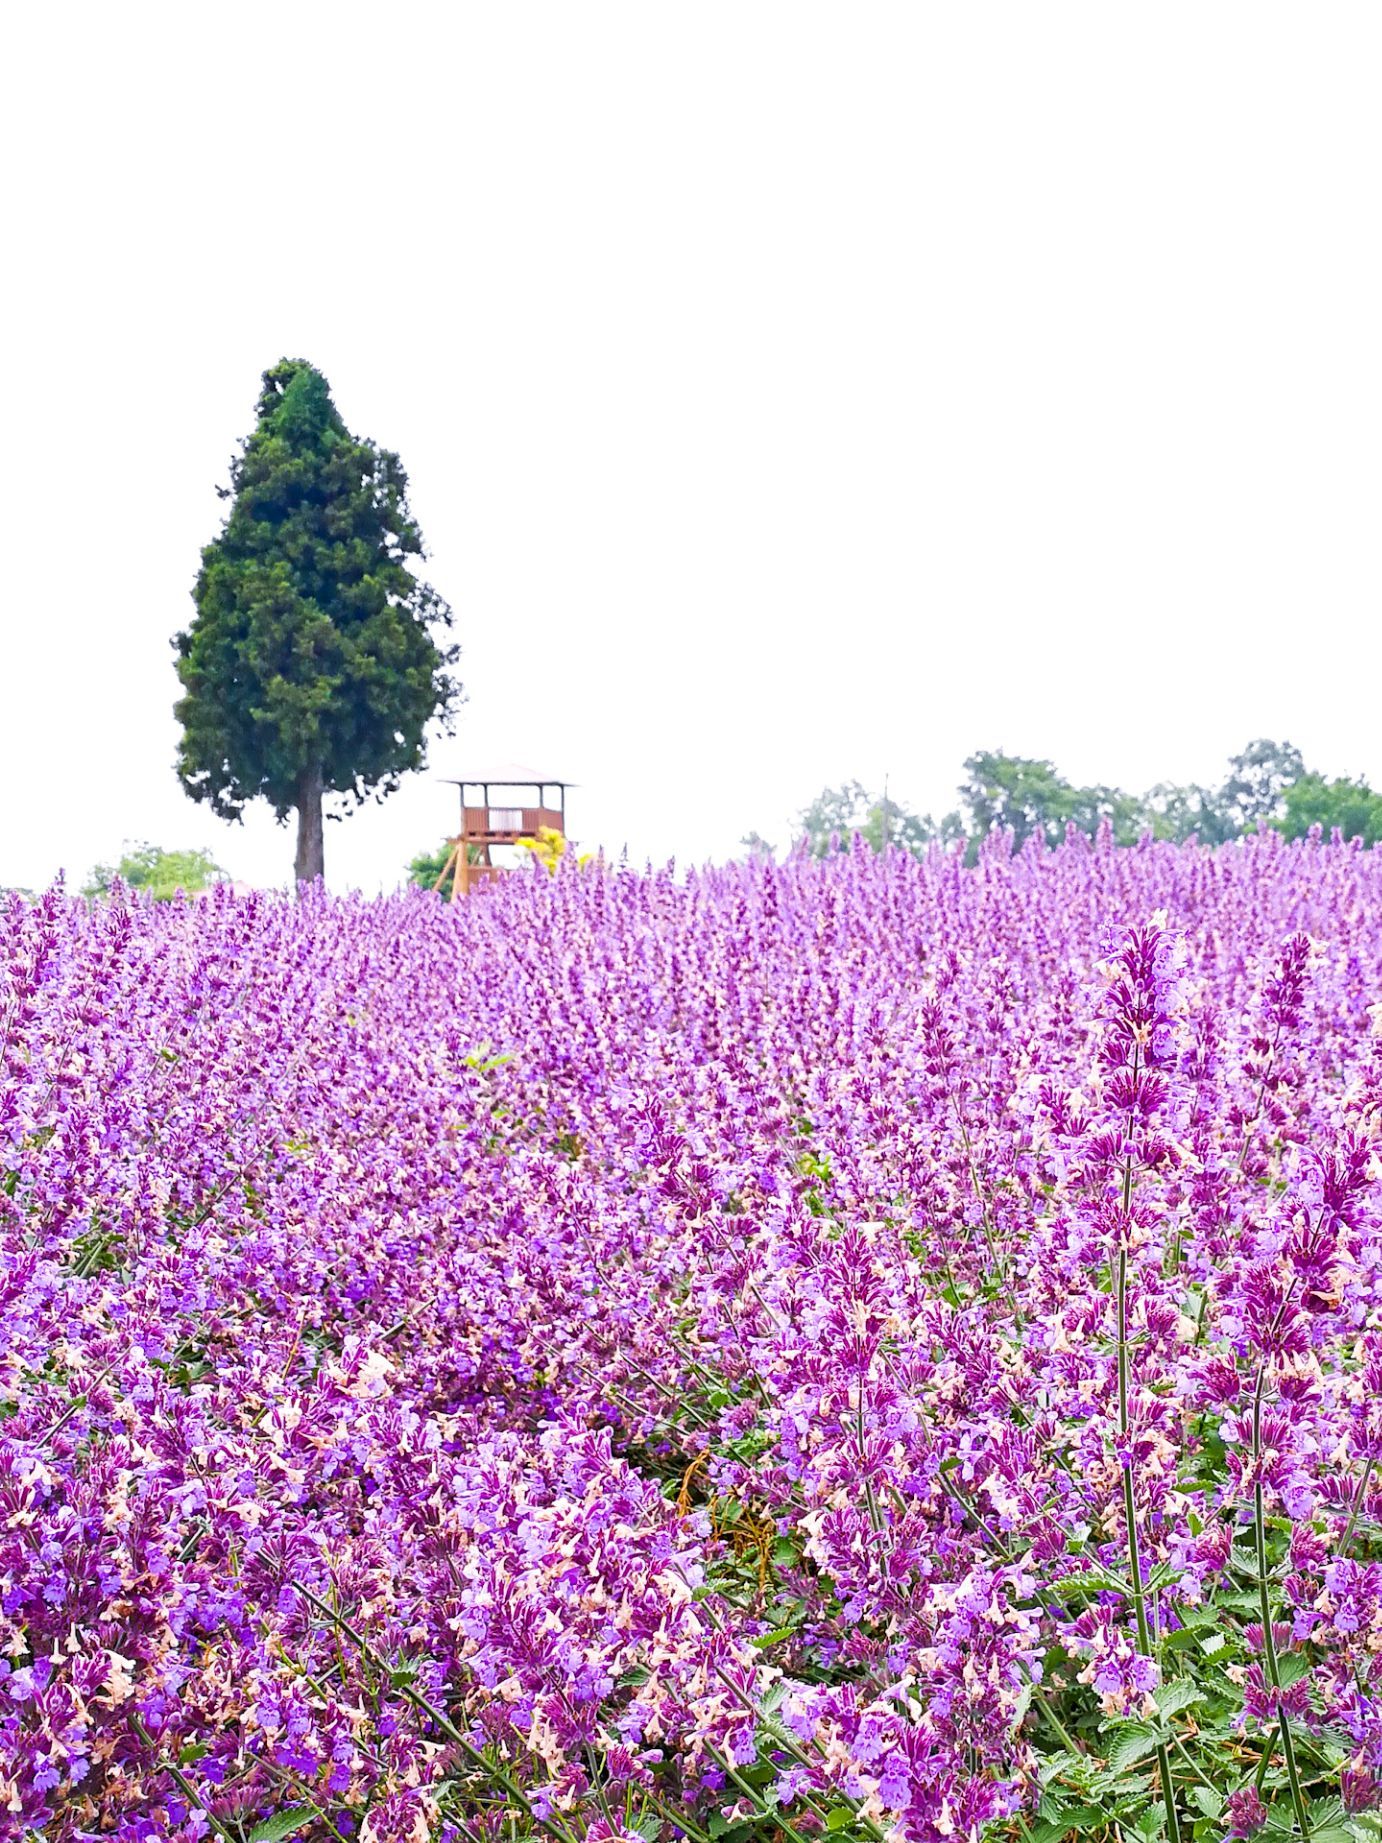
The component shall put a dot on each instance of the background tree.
(1254, 793)
(161, 873)
(1352, 806)
(1031, 796)
(836, 812)
(427, 866)
(1017, 791)
(1177, 813)
(1088, 807)
(312, 666)
(1266, 784)
(840, 812)
(889, 823)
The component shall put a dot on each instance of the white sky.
(790, 393)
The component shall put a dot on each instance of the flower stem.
(1358, 1498)
(1268, 1637)
(434, 1714)
(728, 1766)
(1139, 1592)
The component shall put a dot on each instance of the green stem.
(188, 1790)
(1268, 1637)
(1358, 1497)
(679, 1818)
(753, 1798)
(1144, 1645)
(782, 1736)
(1264, 1598)
(875, 1520)
(1261, 1092)
(1139, 1592)
(1000, 1548)
(989, 1234)
(1260, 1776)
(419, 1701)
(1071, 1744)
(1184, 1753)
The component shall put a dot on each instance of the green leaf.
(1134, 1744)
(1092, 1580)
(840, 1818)
(772, 1638)
(282, 1824)
(1172, 1697)
(1183, 1639)
(1209, 1801)
(1328, 1812)
(1198, 1615)
(760, 1773)
(1051, 1765)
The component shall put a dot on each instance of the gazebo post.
(486, 826)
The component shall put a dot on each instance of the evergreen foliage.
(316, 658)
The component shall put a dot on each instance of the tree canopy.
(1030, 797)
(1258, 778)
(840, 812)
(425, 869)
(162, 873)
(1351, 807)
(1267, 783)
(315, 660)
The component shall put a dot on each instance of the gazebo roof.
(507, 774)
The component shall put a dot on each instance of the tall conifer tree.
(316, 658)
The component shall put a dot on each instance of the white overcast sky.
(790, 393)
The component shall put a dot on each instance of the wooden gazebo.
(514, 805)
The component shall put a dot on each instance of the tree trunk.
(310, 864)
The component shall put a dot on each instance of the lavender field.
(860, 1348)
